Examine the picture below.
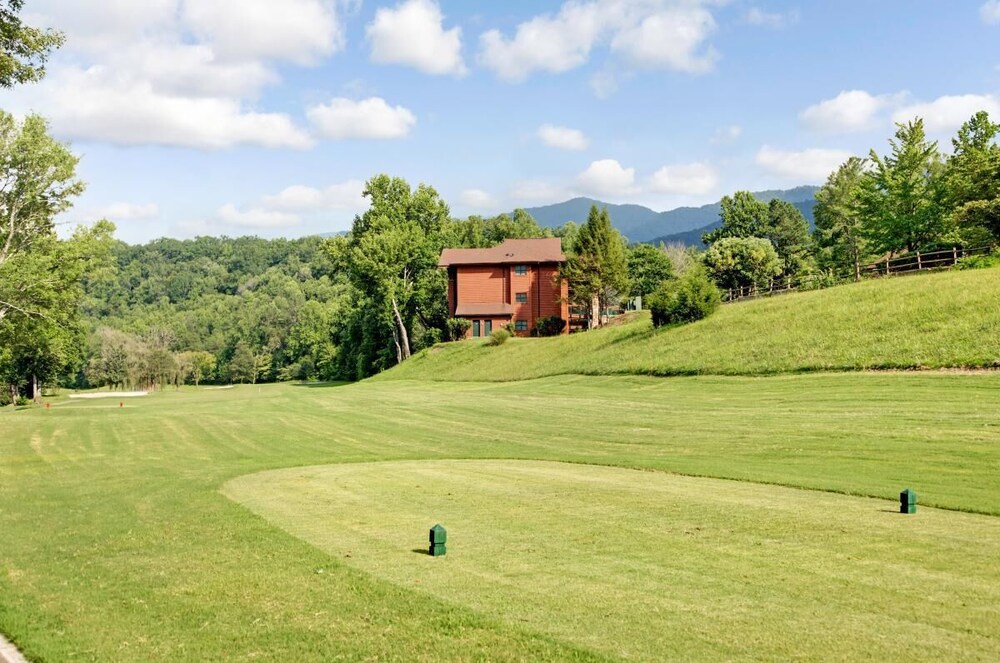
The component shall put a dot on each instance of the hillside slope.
(939, 320)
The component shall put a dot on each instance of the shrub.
(740, 262)
(978, 262)
(22, 401)
(499, 337)
(458, 328)
(692, 297)
(550, 326)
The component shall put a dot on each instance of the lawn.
(123, 535)
(940, 320)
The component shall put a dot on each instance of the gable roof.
(510, 252)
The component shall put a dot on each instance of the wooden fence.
(891, 266)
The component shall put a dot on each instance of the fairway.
(117, 542)
(644, 565)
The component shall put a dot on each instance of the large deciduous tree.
(839, 233)
(972, 177)
(391, 258)
(648, 268)
(23, 49)
(37, 182)
(903, 196)
(742, 215)
(742, 262)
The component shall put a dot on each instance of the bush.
(498, 337)
(978, 262)
(458, 328)
(550, 326)
(692, 297)
(22, 401)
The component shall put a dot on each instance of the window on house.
(520, 270)
(487, 327)
(475, 328)
(521, 325)
(521, 297)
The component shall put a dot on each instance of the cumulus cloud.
(807, 166)
(413, 34)
(299, 198)
(477, 199)
(670, 39)
(989, 12)
(255, 218)
(607, 177)
(369, 118)
(948, 113)
(646, 33)
(776, 20)
(177, 72)
(127, 212)
(727, 135)
(562, 138)
(299, 31)
(849, 111)
(691, 179)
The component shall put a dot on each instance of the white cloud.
(370, 118)
(990, 12)
(948, 113)
(727, 135)
(807, 166)
(299, 31)
(691, 179)
(851, 110)
(647, 33)
(255, 218)
(562, 138)
(99, 104)
(607, 177)
(670, 39)
(298, 198)
(177, 72)
(777, 20)
(477, 199)
(413, 34)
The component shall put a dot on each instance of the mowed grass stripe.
(118, 546)
(646, 565)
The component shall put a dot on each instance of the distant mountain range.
(682, 225)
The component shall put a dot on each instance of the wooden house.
(516, 282)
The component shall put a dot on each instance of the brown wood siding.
(550, 289)
(480, 285)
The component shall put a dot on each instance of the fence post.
(954, 254)
(920, 265)
(887, 268)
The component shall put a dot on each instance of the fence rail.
(903, 265)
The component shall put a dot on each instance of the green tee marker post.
(907, 501)
(438, 536)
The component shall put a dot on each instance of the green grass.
(643, 566)
(117, 544)
(949, 319)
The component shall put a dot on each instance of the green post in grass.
(438, 536)
(907, 501)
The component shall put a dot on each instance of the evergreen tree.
(598, 269)
(839, 220)
(972, 177)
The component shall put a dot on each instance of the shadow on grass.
(421, 551)
(320, 385)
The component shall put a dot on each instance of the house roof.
(510, 252)
(467, 310)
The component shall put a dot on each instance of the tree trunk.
(36, 393)
(404, 338)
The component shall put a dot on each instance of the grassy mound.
(942, 320)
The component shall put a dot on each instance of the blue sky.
(260, 117)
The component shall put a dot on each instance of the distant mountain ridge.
(684, 224)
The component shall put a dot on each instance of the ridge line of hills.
(683, 224)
